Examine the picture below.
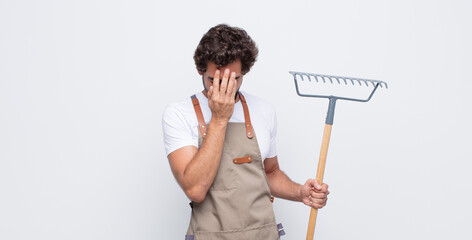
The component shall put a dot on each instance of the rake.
(320, 78)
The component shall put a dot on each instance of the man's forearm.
(282, 187)
(201, 171)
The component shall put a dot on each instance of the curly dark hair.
(222, 45)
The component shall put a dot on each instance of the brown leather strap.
(246, 159)
(247, 118)
(198, 111)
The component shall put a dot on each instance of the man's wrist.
(300, 193)
(218, 123)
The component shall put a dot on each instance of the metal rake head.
(321, 78)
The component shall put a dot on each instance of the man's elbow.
(271, 172)
(195, 195)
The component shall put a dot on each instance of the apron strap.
(247, 118)
(203, 127)
(198, 111)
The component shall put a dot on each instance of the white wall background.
(83, 85)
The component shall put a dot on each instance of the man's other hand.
(313, 194)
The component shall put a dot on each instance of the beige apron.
(238, 204)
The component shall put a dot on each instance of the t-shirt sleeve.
(176, 130)
(273, 135)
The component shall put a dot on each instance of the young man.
(221, 147)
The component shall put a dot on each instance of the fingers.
(317, 185)
(231, 86)
(210, 92)
(314, 194)
(324, 187)
(317, 200)
(227, 86)
(224, 82)
(235, 89)
(314, 184)
(216, 81)
(311, 183)
(320, 188)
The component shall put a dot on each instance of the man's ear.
(199, 72)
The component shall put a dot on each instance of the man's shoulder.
(180, 108)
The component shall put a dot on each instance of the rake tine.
(330, 79)
(345, 83)
(351, 81)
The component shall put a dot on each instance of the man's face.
(210, 72)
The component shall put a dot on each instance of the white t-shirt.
(180, 125)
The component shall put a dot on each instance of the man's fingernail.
(217, 71)
(227, 70)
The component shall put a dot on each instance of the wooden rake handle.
(319, 177)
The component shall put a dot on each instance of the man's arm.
(311, 193)
(195, 169)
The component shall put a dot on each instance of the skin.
(195, 169)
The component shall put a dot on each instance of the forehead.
(233, 67)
